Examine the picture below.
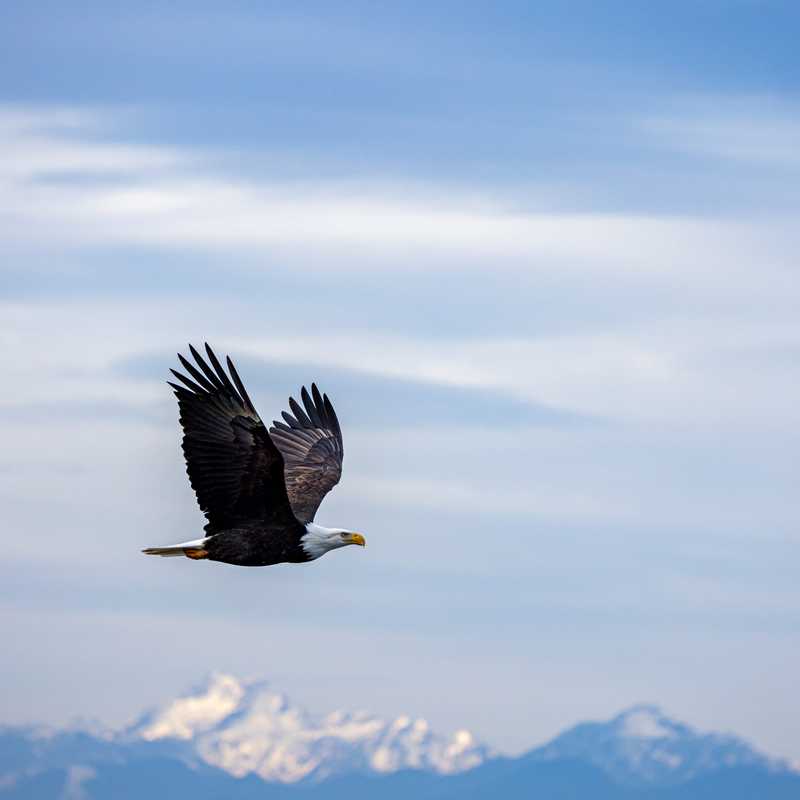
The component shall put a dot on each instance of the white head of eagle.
(318, 540)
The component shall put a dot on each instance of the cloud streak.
(159, 196)
(758, 131)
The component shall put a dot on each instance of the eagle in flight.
(259, 489)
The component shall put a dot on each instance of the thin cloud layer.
(757, 131)
(80, 192)
(670, 367)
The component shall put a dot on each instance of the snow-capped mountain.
(641, 746)
(223, 738)
(245, 728)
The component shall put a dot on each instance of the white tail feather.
(166, 552)
(174, 550)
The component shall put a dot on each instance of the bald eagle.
(259, 489)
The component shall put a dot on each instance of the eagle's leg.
(196, 553)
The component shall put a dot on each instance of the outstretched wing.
(234, 467)
(311, 443)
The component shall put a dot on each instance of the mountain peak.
(247, 727)
(195, 712)
(643, 746)
(646, 722)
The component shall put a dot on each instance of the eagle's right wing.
(310, 440)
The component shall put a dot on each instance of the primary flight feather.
(259, 489)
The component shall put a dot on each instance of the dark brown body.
(253, 545)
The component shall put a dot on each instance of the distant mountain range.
(240, 740)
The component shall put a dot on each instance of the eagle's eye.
(344, 535)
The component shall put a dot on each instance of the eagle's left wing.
(234, 467)
(310, 441)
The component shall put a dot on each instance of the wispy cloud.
(760, 131)
(684, 295)
(659, 374)
(162, 197)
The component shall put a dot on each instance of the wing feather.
(183, 379)
(195, 373)
(240, 386)
(235, 468)
(299, 414)
(206, 369)
(310, 408)
(310, 440)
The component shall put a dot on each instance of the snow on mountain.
(194, 713)
(247, 728)
(642, 746)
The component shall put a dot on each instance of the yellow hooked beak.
(357, 538)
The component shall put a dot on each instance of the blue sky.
(543, 258)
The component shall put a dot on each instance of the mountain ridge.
(243, 739)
